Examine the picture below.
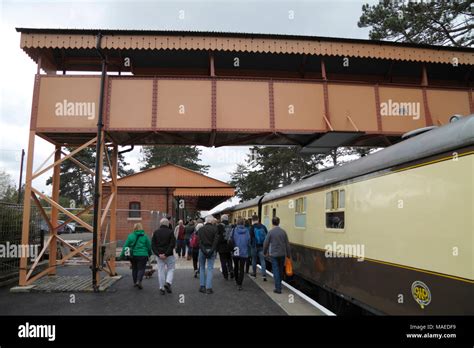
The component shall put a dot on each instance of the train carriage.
(391, 232)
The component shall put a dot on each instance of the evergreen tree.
(268, 168)
(8, 191)
(78, 185)
(185, 156)
(428, 22)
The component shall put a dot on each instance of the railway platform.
(121, 298)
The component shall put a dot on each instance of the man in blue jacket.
(241, 239)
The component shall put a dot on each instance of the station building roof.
(182, 182)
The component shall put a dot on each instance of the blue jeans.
(258, 252)
(205, 274)
(278, 268)
(189, 250)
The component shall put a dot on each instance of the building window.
(266, 209)
(335, 204)
(244, 214)
(134, 210)
(300, 212)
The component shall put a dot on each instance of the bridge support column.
(25, 230)
(53, 246)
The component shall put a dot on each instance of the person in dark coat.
(258, 233)
(188, 231)
(208, 239)
(162, 244)
(195, 249)
(224, 247)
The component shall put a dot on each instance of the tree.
(185, 156)
(429, 22)
(249, 184)
(78, 185)
(268, 168)
(342, 155)
(8, 192)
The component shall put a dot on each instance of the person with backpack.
(163, 243)
(224, 247)
(194, 244)
(248, 261)
(241, 243)
(138, 248)
(258, 233)
(208, 239)
(188, 231)
(179, 233)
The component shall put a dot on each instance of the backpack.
(227, 233)
(194, 241)
(260, 234)
(229, 236)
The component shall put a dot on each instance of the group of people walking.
(239, 246)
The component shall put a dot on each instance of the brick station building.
(168, 190)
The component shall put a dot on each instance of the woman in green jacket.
(138, 247)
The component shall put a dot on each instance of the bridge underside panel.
(330, 140)
(231, 111)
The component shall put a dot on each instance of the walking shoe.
(135, 285)
(239, 287)
(226, 278)
(139, 285)
(189, 258)
(264, 278)
(196, 274)
(209, 291)
(277, 291)
(168, 288)
(162, 291)
(231, 275)
(253, 275)
(202, 289)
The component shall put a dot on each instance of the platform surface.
(121, 298)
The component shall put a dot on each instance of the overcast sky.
(319, 18)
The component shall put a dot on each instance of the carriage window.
(134, 210)
(335, 204)
(328, 200)
(300, 212)
(342, 199)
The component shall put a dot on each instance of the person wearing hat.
(224, 248)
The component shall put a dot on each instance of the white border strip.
(303, 296)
